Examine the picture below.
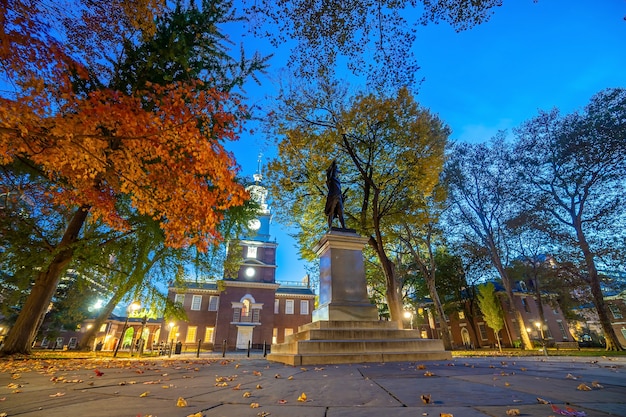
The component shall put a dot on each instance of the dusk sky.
(529, 56)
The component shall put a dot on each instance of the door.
(244, 334)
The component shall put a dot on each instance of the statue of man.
(334, 201)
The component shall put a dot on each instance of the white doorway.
(244, 334)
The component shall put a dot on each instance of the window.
(304, 307)
(615, 311)
(275, 335)
(483, 331)
(288, 306)
(245, 310)
(252, 252)
(45, 342)
(179, 298)
(276, 306)
(288, 332)
(73, 343)
(461, 315)
(192, 331)
(256, 315)
(208, 334)
(562, 329)
(213, 302)
(103, 328)
(525, 305)
(236, 314)
(196, 302)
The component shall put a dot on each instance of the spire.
(258, 176)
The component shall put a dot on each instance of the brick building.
(249, 308)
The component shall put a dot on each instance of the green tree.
(389, 151)
(573, 168)
(479, 183)
(109, 145)
(491, 309)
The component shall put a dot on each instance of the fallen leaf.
(198, 414)
(237, 387)
(542, 401)
(570, 376)
(596, 384)
(445, 415)
(425, 398)
(302, 397)
(513, 412)
(98, 373)
(277, 376)
(583, 387)
(246, 394)
(421, 367)
(144, 394)
(282, 401)
(290, 377)
(507, 384)
(257, 373)
(181, 402)
(428, 373)
(58, 394)
(254, 405)
(259, 386)
(263, 414)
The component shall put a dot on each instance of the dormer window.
(252, 252)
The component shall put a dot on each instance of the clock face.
(254, 224)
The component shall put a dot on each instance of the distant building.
(250, 308)
(474, 333)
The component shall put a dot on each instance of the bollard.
(198, 351)
(224, 348)
(171, 348)
(249, 345)
(264, 348)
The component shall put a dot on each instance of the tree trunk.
(612, 342)
(498, 340)
(445, 332)
(23, 332)
(392, 291)
(88, 338)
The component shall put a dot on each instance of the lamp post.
(409, 316)
(539, 326)
(169, 336)
(132, 307)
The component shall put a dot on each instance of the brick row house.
(473, 332)
(250, 308)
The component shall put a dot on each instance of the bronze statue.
(334, 201)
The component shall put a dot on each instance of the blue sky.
(529, 56)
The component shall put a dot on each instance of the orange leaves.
(161, 147)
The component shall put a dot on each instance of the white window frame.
(289, 306)
(179, 298)
(304, 307)
(252, 252)
(276, 306)
(617, 314)
(214, 302)
(196, 302)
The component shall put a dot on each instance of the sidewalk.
(238, 387)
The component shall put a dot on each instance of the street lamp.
(543, 341)
(134, 306)
(409, 316)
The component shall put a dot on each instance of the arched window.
(245, 310)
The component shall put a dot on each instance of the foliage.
(374, 37)
(482, 199)
(578, 166)
(105, 147)
(389, 152)
(491, 308)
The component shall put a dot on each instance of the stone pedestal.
(345, 327)
(343, 289)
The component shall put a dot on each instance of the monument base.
(337, 342)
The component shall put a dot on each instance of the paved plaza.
(253, 387)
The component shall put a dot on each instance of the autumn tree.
(389, 151)
(478, 178)
(491, 309)
(574, 167)
(421, 235)
(153, 147)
